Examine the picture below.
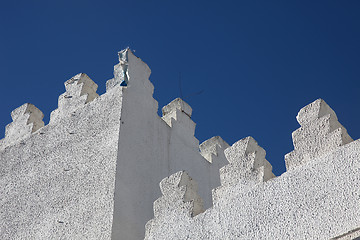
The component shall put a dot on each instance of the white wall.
(58, 182)
(317, 198)
(93, 171)
(149, 150)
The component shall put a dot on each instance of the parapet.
(247, 167)
(211, 148)
(26, 120)
(80, 90)
(178, 114)
(179, 195)
(176, 104)
(179, 189)
(320, 133)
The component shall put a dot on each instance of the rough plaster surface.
(58, 183)
(93, 172)
(179, 194)
(80, 90)
(247, 167)
(320, 133)
(26, 120)
(317, 199)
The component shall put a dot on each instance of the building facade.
(94, 171)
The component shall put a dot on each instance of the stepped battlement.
(322, 178)
(247, 167)
(27, 119)
(80, 90)
(94, 171)
(320, 133)
(213, 149)
(130, 72)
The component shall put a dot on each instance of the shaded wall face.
(59, 182)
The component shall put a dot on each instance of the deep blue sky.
(258, 62)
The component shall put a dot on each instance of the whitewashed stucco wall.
(149, 150)
(93, 171)
(317, 198)
(58, 182)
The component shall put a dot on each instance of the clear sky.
(256, 62)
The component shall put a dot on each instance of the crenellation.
(80, 90)
(247, 167)
(177, 103)
(247, 153)
(180, 112)
(81, 85)
(179, 194)
(178, 189)
(94, 174)
(211, 148)
(314, 111)
(177, 115)
(320, 133)
(26, 119)
(140, 72)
